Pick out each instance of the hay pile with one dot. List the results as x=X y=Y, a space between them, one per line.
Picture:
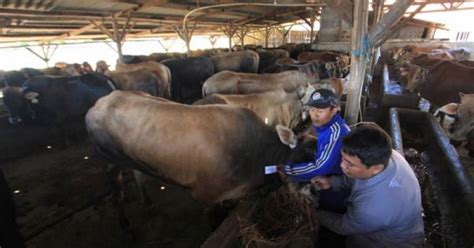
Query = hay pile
x=285 y=218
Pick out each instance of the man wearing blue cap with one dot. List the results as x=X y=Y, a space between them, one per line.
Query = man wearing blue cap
x=331 y=128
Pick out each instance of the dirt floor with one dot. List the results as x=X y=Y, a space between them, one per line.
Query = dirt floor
x=64 y=199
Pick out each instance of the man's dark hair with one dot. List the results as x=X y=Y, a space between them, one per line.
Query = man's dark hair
x=370 y=143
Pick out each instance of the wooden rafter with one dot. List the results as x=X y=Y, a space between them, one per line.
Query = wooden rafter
x=394 y=29
x=342 y=8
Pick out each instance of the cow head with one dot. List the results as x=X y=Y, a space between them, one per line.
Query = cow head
x=303 y=145
x=414 y=76
x=16 y=103
x=463 y=125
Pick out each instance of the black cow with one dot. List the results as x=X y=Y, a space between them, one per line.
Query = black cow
x=56 y=100
x=188 y=76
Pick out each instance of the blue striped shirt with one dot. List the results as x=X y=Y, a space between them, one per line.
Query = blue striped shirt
x=327 y=157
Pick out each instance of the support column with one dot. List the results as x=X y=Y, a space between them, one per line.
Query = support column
x=358 y=61
x=117 y=35
x=229 y=31
x=243 y=31
x=310 y=23
x=47 y=53
x=266 y=32
x=284 y=31
x=186 y=35
x=167 y=45
x=213 y=40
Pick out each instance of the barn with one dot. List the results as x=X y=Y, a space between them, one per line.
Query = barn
x=174 y=128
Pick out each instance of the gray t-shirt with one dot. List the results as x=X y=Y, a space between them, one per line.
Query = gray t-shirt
x=383 y=211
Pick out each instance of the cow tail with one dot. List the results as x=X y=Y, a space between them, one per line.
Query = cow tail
x=167 y=93
x=204 y=90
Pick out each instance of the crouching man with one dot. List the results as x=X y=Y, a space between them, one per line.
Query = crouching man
x=384 y=207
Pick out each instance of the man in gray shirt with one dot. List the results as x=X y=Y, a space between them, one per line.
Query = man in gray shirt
x=384 y=207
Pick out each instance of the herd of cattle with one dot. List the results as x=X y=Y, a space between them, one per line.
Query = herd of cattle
x=443 y=76
x=207 y=123
x=210 y=123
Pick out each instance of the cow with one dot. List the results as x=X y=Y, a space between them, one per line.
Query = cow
x=101 y=67
x=319 y=56
x=161 y=71
x=441 y=83
x=228 y=82
x=221 y=153
x=460 y=53
x=462 y=129
x=276 y=107
x=269 y=57
x=242 y=61
x=55 y=101
x=141 y=80
x=187 y=77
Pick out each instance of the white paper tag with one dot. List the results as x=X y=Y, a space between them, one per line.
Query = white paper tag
x=270 y=169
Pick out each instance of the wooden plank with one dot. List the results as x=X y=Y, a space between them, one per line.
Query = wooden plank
x=227 y=233
x=395 y=13
x=358 y=62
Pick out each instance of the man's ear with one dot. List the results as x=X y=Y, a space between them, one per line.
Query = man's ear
x=376 y=169
x=287 y=136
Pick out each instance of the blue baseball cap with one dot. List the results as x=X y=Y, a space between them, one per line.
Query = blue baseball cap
x=323 y=98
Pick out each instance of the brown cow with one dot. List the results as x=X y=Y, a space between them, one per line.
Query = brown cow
x=161 y=71
x=462 y=128
x=142 y=80
x=273 y=107
x=319 y=56
x=101 y=67
x=228 y=82
x=222 y=149
x=442 y=82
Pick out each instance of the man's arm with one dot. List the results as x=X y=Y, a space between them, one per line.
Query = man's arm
x=324 y=160
x=354 y=221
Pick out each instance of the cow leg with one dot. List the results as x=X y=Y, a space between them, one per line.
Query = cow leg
x=138 y=179
x=116 y=176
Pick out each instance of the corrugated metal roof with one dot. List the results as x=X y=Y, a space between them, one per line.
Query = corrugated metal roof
x=53 y=20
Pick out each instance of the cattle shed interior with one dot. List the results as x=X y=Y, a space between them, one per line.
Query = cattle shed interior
x=57 y=185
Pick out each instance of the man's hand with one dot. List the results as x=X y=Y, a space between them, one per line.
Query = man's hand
x=281 y=172
x=321 y=182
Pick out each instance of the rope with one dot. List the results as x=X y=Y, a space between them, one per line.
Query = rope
x=364 y=50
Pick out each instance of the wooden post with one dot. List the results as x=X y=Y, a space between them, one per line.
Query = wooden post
x=310 y=23
x=284 y=31
x=229 y=31
x=213 y=40
x=266 y=34
x=47 y=53
x=377 y=6
x=167 y=45
x=117 y=35
x=358 y=61
x=243 y=31
x=186 y=35
x=117 y=40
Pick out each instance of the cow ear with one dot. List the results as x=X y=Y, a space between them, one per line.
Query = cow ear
x=31 y=96
x=461 y=95
x=287 y=136
x=450 y=108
